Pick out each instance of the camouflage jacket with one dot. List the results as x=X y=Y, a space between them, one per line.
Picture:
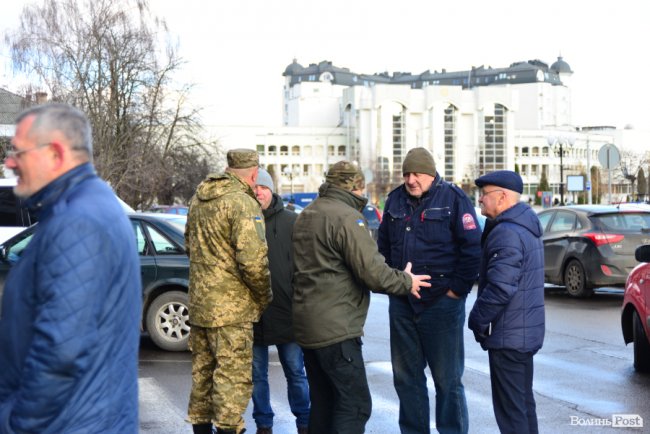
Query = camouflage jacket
x=229 y=273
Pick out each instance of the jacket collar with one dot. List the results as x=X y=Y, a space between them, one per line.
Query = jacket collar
x=347 y=197
x=43 y=200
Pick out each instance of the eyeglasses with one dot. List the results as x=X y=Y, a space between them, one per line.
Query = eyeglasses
x=485 y=193
x=13 y=153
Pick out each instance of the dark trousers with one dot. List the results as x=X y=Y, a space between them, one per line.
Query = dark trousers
x=338 y=388
x=511 y=375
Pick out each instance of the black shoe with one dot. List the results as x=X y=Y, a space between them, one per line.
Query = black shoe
x=202 y=428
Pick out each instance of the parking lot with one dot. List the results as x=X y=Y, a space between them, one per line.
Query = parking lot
x=583 y=375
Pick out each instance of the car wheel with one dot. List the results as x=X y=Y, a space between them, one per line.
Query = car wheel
x=168 y=321
x=575 y=280
x=641 y=346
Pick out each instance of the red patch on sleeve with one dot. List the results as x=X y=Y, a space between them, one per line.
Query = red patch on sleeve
x=468 y=222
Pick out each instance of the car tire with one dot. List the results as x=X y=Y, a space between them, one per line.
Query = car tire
x=167 y=321
x=641 y=345
x=575 y=280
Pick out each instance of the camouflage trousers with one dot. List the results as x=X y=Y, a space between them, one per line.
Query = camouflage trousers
x=222 y=378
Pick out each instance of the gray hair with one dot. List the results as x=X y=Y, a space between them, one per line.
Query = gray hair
x=68 y=120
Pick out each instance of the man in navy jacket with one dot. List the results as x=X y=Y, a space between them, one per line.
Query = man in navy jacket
x=69 y=326
x=508 y=316
x=432 y=224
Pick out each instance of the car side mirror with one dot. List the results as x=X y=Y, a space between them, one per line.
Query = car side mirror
x=642 y=253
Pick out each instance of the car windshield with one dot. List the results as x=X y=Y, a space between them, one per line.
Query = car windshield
x=625 y=221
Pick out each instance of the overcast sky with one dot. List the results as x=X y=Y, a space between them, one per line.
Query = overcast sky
x=237 y=50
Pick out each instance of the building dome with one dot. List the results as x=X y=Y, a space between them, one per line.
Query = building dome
x=560 y=66
x=293 y=68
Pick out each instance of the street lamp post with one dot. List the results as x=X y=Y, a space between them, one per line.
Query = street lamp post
x=289 y=171
x=561 y=143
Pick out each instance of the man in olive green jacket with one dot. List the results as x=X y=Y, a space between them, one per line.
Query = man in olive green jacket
x=336 y=265
x=229 y=290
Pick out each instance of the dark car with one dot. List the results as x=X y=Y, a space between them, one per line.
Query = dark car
x=590 y=246
x=165 y=275
x=635 y=316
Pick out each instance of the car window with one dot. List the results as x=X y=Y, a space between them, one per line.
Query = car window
x=161 y=244
x=139 y=238
x=544 y=219
x=625 y=221
x=563 y=222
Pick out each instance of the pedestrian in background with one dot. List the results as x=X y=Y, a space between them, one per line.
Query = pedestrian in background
x=432 y=224
x=336 y=266
x=71 y=308
x=276 y=326
x=508 y=316
x=229 y=290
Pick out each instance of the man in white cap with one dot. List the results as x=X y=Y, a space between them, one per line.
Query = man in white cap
x=276 y=326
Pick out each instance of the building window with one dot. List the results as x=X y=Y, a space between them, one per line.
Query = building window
x=398 y=147
x=273 y=150
x=295 y=150
x=284 y=150
x=331 y=150
x=451 y=113
x=260 y=150
x=492 y=155
x=342 y=151
x=307 y=150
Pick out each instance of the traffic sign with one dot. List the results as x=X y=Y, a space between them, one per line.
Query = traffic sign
x=609 y=156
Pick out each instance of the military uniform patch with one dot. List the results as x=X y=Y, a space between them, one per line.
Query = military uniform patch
x=468 y=222
x=259 y=227
x=360 y=223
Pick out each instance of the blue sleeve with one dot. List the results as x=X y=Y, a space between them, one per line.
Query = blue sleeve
x=467 y=233
x=505 y=261
x=72 y=276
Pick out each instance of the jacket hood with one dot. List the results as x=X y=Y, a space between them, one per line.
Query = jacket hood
x=219 y=184
x=522 y=215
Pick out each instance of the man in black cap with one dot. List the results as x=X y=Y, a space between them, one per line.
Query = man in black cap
x=229 y=290
x=336 y=265
x=432 y=224
x=508 y=316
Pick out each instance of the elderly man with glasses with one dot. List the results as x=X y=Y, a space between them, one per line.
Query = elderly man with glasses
x=508 y=316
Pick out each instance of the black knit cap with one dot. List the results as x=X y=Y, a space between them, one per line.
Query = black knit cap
x=419 y=160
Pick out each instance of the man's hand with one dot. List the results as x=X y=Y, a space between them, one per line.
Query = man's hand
x=452 y=294
x=418 y=280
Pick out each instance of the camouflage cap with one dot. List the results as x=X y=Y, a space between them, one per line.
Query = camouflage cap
x=346 y=175
x=243 y=158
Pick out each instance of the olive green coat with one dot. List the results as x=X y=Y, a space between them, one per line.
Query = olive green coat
x=336 y=265
x=229 y=273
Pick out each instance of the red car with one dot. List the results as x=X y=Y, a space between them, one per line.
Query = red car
x=635 y=318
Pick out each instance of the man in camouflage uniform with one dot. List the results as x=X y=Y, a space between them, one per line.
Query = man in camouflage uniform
x=229 y=289
x=336 y=265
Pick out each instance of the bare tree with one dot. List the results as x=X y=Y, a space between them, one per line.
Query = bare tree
x=106 y=58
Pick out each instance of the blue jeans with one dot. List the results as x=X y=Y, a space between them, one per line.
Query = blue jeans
x=433 y=337
x=293 y=366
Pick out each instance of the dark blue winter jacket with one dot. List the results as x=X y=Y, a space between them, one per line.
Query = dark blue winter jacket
x=509 y=308
x=438 y=233
x=69 y=330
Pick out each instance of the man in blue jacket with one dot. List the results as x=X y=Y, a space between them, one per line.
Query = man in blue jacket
x=508 y=316
x=69 y=326
x=432 y=224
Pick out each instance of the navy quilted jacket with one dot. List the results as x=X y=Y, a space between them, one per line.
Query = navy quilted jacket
x=509 y=308
x=69 y=330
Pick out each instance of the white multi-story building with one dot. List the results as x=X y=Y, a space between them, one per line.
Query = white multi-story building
x=473 y=122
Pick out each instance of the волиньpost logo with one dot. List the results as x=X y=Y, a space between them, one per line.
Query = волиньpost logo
x=616 y=421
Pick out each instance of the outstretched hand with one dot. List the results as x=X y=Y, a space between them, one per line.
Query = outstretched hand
x=418 y=280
